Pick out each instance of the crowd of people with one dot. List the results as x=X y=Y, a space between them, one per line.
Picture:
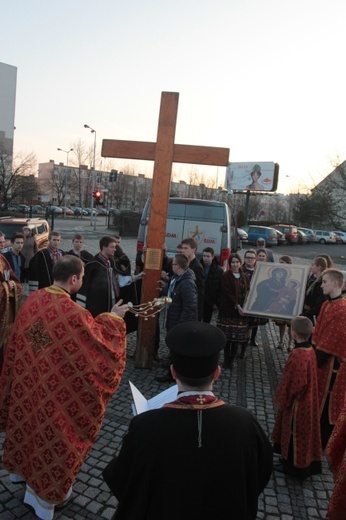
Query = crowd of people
x=65 y=355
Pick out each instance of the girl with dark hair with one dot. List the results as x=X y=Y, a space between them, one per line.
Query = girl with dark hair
x=234 y=287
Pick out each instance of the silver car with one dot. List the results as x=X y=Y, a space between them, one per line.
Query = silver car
x=325 y=237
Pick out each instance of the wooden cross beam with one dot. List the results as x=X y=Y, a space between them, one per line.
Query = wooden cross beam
x=164 y=152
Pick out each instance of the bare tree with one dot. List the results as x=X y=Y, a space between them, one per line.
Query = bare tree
x=254 y=207
x=328 y=197
x=11 y=170
x=27 y=189
x=56 y=184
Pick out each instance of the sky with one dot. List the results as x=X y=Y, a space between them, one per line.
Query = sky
x=264 y=78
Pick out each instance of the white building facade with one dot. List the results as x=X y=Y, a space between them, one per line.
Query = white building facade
x=8 y=85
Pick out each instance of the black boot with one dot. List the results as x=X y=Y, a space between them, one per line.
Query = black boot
x=242 y=351
x=234 y=350
x=226 y=356
x=253 y=341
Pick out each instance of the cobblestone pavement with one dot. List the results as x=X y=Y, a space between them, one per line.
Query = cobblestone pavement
x=251 y=383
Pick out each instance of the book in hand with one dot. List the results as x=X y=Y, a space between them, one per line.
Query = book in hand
x=141 y=404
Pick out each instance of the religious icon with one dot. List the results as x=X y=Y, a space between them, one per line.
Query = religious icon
x=277 y=290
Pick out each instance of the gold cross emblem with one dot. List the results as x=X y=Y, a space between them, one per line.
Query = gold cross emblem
x=201 y=399
x=38 y=337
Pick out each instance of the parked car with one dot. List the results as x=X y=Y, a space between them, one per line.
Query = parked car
x=337 y=238
x=88 y=210
x=242 y=235
x=310 y=234
x=69 y=211
x=54 y=209
x=256 y=232
x=281 y=238
x=23 y=208
x=290 y=232
x=13 y=207
x=15 y=225
x=342 y=235
x=302 y=238
x=325 y=237
x=79 y=211
x=102 y=211
x=38 y=210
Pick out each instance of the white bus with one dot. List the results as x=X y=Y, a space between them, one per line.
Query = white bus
x=207 y=221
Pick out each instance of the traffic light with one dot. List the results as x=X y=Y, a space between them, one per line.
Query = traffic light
x=97 y=196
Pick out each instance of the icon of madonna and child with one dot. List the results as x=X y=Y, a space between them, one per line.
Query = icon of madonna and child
x=277 y=291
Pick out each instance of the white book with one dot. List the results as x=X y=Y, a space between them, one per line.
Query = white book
x=141 y=404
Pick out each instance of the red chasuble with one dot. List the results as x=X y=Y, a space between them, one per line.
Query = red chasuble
x=298 y=412
x=336 y=456
x=330 y=337
x=61 y=368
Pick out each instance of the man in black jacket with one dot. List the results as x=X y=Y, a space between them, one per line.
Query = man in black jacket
x=102 y=282
x=212 y=274
x=77 y=249
x=196 y=458
x=189 y=248
x=41 y=265
x=15 y=257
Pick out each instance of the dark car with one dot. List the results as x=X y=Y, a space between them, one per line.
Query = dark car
x=54 y=209
x=256 y=232
x=38 y=210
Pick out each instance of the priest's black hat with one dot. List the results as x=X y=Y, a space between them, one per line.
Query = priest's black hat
x=195 y=348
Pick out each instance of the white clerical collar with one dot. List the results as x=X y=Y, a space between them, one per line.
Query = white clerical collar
x=201 y=392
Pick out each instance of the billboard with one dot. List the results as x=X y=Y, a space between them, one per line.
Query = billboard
x=252 y=176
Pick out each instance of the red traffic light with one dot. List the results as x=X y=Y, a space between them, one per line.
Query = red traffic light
x=97 y=195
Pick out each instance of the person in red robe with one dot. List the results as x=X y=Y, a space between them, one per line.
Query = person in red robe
x=60 y=370
x=10 y=295
x=336 y=457
x=330 y=340
x=296 y=433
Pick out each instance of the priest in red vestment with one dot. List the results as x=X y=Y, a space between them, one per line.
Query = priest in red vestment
x=330 y=340
x=196 y=457
x=60 y=370
x=296 y=434
x=336 y=456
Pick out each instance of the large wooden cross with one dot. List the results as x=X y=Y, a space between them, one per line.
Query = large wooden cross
x=164 y=152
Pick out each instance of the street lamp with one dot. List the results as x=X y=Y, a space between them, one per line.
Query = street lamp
x=93 y=131
x=67 y=152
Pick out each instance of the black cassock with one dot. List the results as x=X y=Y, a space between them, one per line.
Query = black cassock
x=161 y=473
